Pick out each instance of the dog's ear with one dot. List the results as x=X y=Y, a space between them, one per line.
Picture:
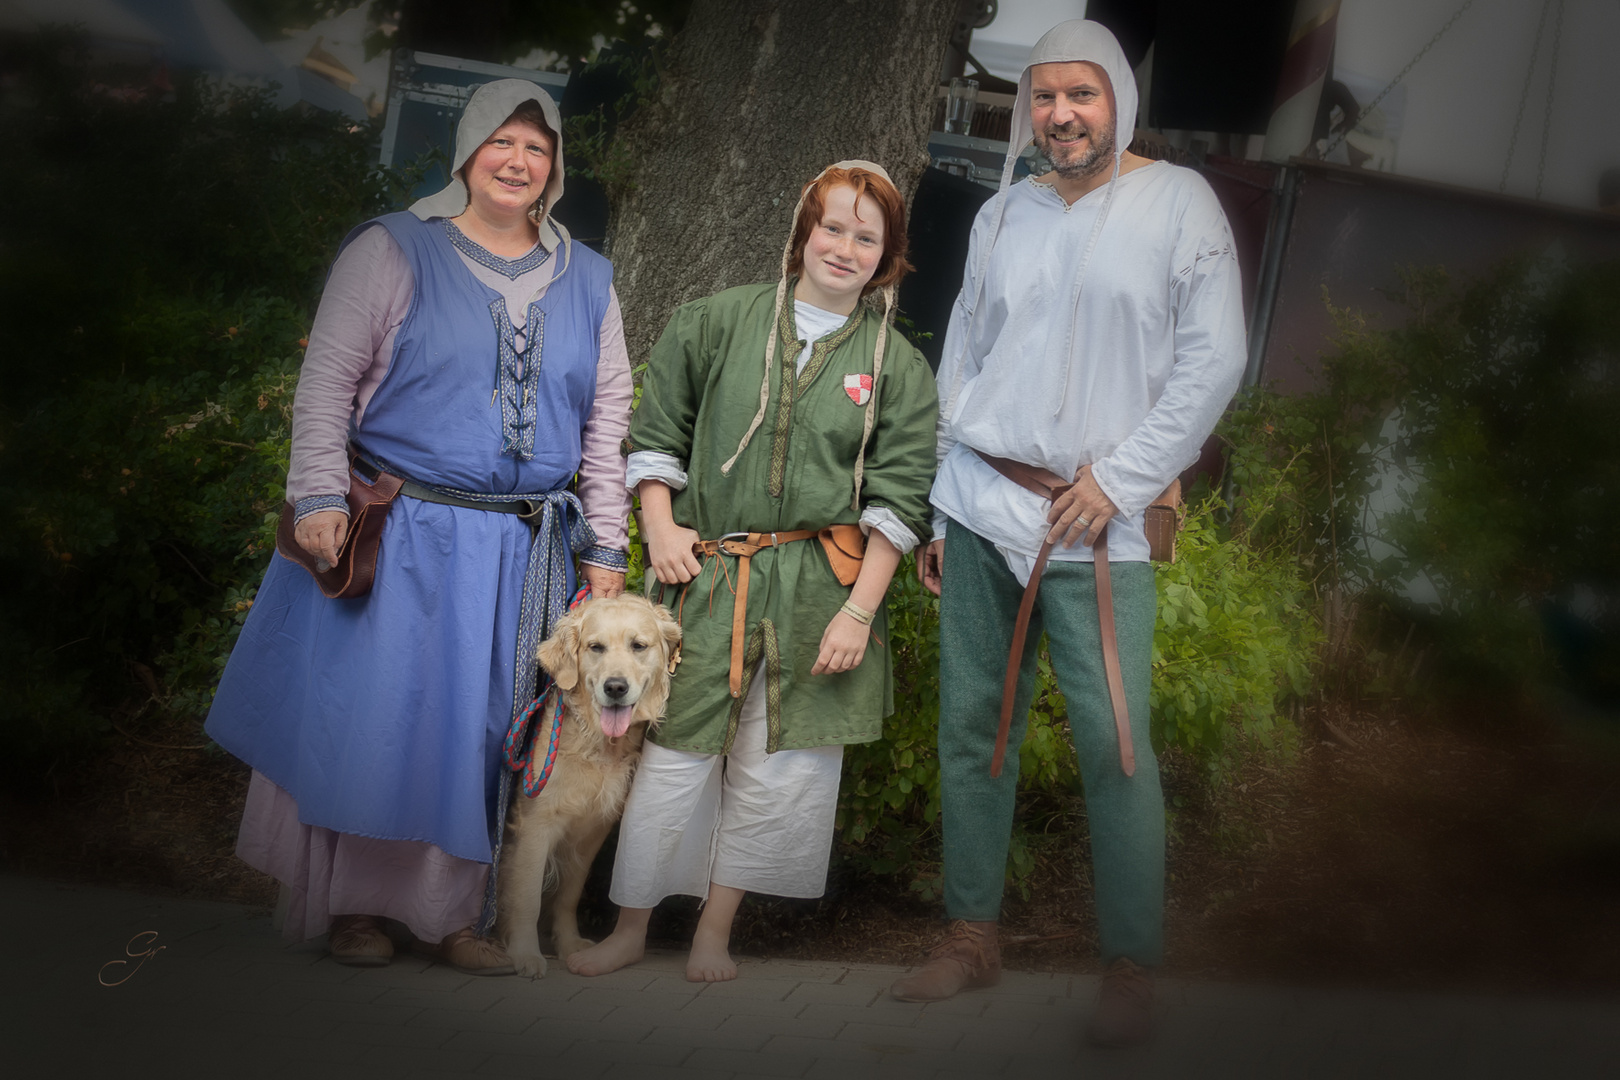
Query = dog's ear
x=671 y=631
x=559 y=653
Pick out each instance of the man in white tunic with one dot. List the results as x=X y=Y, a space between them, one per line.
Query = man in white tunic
x=1099 y=335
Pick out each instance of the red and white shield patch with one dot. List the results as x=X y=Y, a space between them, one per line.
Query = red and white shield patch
x=859 y=388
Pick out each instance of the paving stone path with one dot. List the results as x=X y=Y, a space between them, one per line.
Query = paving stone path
x=221 y=996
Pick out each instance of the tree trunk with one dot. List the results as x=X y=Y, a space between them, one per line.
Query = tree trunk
x=755 y=98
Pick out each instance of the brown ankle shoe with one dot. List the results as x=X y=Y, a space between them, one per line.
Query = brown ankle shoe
x=1124 y=1014
x=969 y=957
x=357 y=940
x=469 y=954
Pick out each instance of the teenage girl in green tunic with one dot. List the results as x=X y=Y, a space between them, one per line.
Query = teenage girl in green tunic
x=738 y=786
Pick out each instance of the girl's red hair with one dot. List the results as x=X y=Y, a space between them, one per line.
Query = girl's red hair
x=893 y=266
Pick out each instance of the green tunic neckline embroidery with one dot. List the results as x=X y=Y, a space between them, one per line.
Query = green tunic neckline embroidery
x=795 y=383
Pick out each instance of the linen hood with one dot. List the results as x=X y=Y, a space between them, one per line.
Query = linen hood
x=1076 y=40
x=486 y=111
x=889 y=294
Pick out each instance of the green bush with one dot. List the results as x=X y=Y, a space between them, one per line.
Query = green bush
x=1238 y=635
x=1472 y=458
x=143 y=438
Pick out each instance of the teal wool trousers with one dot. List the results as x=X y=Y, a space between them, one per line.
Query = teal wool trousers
x=978 y=606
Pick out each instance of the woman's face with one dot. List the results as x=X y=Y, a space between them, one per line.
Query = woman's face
x=843 y=251
x=508 y=173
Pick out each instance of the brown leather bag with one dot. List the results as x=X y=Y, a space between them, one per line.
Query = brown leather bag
x=845 y=546
x=1162 y=522
x=357 y=560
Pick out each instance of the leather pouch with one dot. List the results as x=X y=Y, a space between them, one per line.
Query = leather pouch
x=845 y=546
x=1162 y=521
x=357 y=561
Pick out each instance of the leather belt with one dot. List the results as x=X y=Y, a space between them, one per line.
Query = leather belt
x=1049 y=485
x=744 y=545
x=527 y=509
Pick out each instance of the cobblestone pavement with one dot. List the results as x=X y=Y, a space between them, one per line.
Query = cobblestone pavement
x=221 y=996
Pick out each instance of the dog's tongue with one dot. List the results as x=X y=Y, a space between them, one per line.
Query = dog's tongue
x=616 y=720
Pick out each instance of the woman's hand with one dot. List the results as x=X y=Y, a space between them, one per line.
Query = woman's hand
x=843 y=644
x=322 y=533
x=603 y=582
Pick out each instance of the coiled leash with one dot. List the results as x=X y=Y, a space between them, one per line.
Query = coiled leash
x=518 y=749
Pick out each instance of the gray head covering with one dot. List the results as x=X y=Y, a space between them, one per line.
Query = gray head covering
x=486 y=111
x=1077 y=40
x=889 y=293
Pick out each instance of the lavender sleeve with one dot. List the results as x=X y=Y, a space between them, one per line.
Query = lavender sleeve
x=367 y=297
x=601 y=469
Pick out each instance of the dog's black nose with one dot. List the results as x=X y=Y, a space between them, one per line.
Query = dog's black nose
x=616 y=687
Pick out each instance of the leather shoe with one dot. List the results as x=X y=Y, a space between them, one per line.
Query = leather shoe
x=469 y=954
x=357 y=940
x=1124 y=1013
x=969 y=957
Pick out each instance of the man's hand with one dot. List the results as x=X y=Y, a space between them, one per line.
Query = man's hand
x=603 y=582
x=321 y=534
x=931 y=566
x=843 y=644
x=1080 y=512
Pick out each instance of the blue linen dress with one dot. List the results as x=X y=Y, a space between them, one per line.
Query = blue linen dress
x=383 y=715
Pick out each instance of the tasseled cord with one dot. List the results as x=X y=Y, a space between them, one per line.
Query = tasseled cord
x=770 y=346
x=871 y=402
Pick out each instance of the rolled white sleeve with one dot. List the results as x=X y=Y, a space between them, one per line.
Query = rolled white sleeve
x=653 y=465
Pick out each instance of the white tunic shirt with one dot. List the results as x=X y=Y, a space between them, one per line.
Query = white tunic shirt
x=1122 y=360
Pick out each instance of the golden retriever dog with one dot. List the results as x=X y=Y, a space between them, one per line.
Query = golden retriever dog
x=611 y=660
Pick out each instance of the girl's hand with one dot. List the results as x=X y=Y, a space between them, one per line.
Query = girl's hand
x=669 y=550
x=843 y=644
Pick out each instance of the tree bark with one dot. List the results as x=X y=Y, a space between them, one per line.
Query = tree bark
x=755 y=98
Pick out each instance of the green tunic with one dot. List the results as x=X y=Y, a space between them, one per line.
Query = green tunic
x=699 y=394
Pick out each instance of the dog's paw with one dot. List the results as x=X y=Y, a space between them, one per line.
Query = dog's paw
x=531 y=964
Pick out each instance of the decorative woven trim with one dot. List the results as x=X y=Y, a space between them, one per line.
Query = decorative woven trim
x=794 y=385
x=314 y=504
x=607 y=558
x=751 y=655
x=773 y=686
x=517 y=375
x=821 y=350
x=511 y=269
x=787 y=331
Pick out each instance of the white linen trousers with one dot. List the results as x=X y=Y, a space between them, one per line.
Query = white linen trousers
x=749 y=820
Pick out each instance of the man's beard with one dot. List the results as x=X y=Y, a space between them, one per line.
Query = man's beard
x=1085 y=165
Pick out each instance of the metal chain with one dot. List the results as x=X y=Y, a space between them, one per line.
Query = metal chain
x=1438 y=34
x=1552 y=85
x=1524 y=95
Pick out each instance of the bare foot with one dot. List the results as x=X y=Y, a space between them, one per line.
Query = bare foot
x=570 y=944
x=710 y=960
x=617 y=950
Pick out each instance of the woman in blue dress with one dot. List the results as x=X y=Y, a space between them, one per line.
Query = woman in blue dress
x=471 y=347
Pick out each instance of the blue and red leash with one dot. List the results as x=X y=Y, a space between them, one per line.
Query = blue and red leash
x=518 y=749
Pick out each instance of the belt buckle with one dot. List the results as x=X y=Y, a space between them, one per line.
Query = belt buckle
x=732 y=537
x=531 y=510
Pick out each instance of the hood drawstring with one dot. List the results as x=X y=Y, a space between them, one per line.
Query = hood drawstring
x=871 y=402
x=775 y=332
